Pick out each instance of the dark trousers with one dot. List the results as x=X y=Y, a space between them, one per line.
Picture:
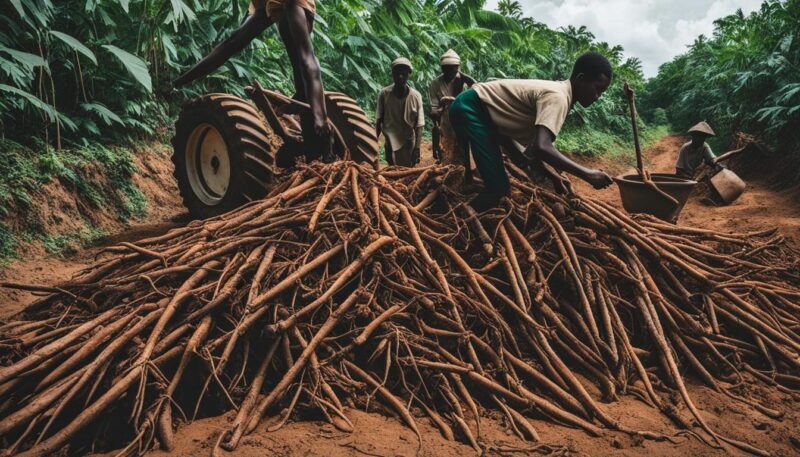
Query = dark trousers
x=475 y=129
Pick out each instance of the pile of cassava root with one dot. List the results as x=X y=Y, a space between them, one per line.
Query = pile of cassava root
x=351 y=288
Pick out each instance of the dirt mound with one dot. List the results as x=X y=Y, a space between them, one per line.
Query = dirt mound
x=90 y=207
x=95 y=199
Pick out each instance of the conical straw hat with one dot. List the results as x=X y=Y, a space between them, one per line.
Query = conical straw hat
x=703 y=127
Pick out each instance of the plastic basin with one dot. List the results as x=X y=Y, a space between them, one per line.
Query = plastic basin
x=637 y=197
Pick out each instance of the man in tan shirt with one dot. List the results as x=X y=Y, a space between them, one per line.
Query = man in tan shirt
x=529 y=112
x=449 y=84
x=295 y=20
x=400 y=118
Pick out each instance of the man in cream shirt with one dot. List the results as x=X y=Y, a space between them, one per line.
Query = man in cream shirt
x=399 y=117
x=530 y=112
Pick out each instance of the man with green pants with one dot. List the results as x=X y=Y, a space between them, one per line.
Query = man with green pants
x=530 y=112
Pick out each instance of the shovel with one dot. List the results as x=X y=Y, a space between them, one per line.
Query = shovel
x=643 y=174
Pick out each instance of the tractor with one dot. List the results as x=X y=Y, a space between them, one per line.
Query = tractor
x=225 y=148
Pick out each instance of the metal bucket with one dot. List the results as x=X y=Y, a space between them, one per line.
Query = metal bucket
x=638 y=198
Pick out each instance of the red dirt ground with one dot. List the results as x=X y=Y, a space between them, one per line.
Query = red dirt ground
x=378 y=435
x=759 y=207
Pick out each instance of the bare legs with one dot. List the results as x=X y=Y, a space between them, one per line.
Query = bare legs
x=295 y=28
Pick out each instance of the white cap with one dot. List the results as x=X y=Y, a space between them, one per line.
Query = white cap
x=450 y=58
x=402 y=61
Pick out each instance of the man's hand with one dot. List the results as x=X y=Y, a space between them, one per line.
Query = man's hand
x=466 y=79
x=542 y=148
x=435 y=115
x=598 y=179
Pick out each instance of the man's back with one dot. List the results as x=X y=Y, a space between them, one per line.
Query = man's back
x=517 y=105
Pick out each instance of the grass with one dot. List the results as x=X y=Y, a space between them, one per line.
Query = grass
x=70 y=243
x=595 y=143
x=133 y=204
x=8 y=245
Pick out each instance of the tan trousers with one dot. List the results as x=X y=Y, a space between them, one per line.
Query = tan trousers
x=275 y=7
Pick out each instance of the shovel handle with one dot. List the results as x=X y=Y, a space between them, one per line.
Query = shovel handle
x=631 y=96
x=639 y=163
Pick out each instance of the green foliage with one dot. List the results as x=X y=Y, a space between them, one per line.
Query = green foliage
x=91 y=192
x=600 y=143
x=70 y=243
x=133 y=202
x=8 y=244
x=746 y=77
x=75 y=45
x=101 y=69
x=76 y=70
x=660 y=116
x=19 y=174
x=136 y=66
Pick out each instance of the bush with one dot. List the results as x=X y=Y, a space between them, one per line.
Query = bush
x=660 y=117
x=8 y=244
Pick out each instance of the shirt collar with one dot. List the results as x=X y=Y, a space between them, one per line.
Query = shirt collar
x=568 y=91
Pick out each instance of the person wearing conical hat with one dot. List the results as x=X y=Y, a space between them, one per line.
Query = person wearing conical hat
x=449 y=84
x=695 y=152
x=399 y=116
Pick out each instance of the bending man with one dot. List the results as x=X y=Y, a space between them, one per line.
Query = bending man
x=530 y=112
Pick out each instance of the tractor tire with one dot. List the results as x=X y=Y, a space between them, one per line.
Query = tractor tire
x=354 y=128
x=222 y=154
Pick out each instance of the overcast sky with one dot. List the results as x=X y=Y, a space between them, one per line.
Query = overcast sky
x=655 y=31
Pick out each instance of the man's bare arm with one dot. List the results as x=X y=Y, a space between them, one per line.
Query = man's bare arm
x=543 y=149
x=520 y=159
x=378 y=127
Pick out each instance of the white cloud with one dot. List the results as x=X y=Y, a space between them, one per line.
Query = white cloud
x=654 y=31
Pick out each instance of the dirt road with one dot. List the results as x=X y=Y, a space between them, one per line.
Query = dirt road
x=379 y=435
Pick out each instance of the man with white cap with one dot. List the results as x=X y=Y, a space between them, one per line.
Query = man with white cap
x=449 y=84
x=695 y=152
x=399 y=117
